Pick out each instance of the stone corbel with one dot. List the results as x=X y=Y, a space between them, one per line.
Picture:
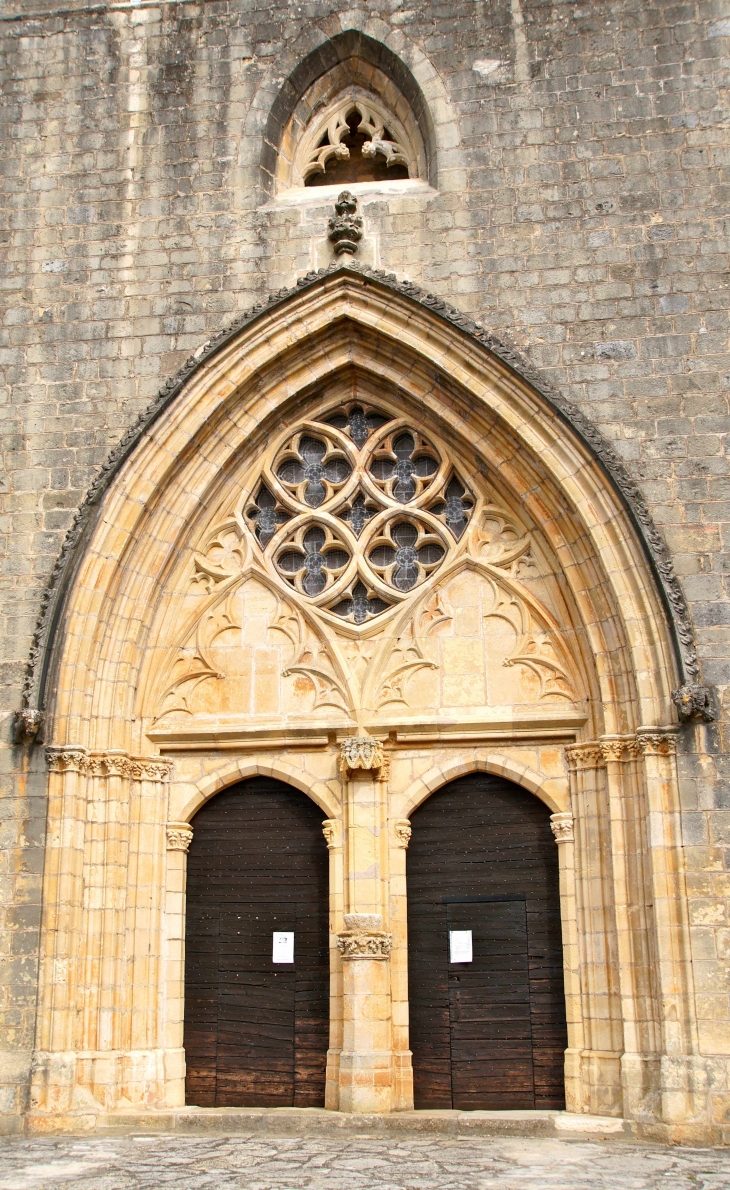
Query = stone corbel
x=562 y=827
x=694 y=703
x=402 y=832
x=365 y=754
x=179 y=836
x=26 y=726
x=363 y=937
x=332 y=831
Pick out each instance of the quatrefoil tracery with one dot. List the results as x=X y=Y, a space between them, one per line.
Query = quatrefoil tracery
x=389 y=509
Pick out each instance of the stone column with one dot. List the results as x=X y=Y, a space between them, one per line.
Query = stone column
x=593 y=1059
x=100 y=1040
x=402 y=1056
x=179 y=836
x=561 y=825
x=630 y=857
x=366 y=1060
x=332 y=830
x=366 y=1065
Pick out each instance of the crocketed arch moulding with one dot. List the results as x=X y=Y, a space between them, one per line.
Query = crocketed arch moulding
x=458 y=401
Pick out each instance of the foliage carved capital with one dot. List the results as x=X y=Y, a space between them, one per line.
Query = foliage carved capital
x=107 y=764
x=562 y=827
x=179 y=836
x=364 y=937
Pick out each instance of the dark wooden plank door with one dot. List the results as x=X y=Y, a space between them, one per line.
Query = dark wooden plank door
x=492 y=1063
x=256 y=1032
x=490 y=1034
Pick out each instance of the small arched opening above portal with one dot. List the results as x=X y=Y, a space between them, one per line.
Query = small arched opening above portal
x=352 y=124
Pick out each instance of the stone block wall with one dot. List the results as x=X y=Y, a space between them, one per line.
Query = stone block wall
x=581 y=211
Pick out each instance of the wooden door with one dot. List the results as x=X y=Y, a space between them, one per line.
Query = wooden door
x=490 y=1033
x=256 y=1032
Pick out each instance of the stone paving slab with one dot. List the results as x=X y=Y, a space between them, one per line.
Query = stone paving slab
x=174 y=1162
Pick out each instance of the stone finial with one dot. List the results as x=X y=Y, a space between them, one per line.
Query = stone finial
x=26 y=725
x=179 y=836
x=345 y=228
x=562 y=827
x=693 y=702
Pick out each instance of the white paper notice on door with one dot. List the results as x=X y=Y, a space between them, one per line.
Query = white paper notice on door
x=283 y=949
x=460 y=950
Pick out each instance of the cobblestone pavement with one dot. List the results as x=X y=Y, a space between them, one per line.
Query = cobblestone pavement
x=296 y=1163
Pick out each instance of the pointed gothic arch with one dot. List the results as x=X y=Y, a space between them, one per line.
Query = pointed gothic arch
x=149 y=570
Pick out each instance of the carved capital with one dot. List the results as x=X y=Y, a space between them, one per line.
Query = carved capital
x=364 y=937
x=619 y=748
x=402 y=832
x=179 y=836
x=657 y=743
x=584 y=756
x=107 y=764
x=67 y=760
x=362 y=752
x=332 y=831
x=562 y=827
x=693 y=702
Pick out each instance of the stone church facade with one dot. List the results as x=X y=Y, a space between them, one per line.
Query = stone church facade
x=365 y=380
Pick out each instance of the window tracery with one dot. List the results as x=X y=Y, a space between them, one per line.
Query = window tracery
x=351 y=135
x=356 y=509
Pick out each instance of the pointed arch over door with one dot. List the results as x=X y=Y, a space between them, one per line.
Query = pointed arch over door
x=535 y=624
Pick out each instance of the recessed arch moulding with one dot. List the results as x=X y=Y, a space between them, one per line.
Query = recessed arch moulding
x=514 y=626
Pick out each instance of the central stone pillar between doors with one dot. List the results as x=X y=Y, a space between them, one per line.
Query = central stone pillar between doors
x=366 y=1059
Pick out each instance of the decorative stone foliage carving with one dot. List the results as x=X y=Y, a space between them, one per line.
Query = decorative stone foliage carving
x=657 y=743
x=345 y=226
x=361 y=752
x=364 y=937
x=107 y=764
x=562 y=827
x=597 y=754
x=179 y=836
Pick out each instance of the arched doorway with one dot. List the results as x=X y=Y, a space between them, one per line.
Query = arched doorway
x=487 y=1009
x=256 y=1000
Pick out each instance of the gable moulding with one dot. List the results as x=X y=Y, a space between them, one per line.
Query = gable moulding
x=692 y=699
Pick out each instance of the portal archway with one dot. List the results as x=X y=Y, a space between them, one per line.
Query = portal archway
x=185 y=645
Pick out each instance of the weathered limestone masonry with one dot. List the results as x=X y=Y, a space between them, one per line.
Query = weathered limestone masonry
x=574 y=200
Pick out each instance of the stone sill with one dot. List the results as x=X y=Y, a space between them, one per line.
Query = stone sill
x=319 y=1122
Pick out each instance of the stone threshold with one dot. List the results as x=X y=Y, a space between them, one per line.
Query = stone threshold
x=319 y=1122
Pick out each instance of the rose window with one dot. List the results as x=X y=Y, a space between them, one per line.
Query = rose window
x=390 y=509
